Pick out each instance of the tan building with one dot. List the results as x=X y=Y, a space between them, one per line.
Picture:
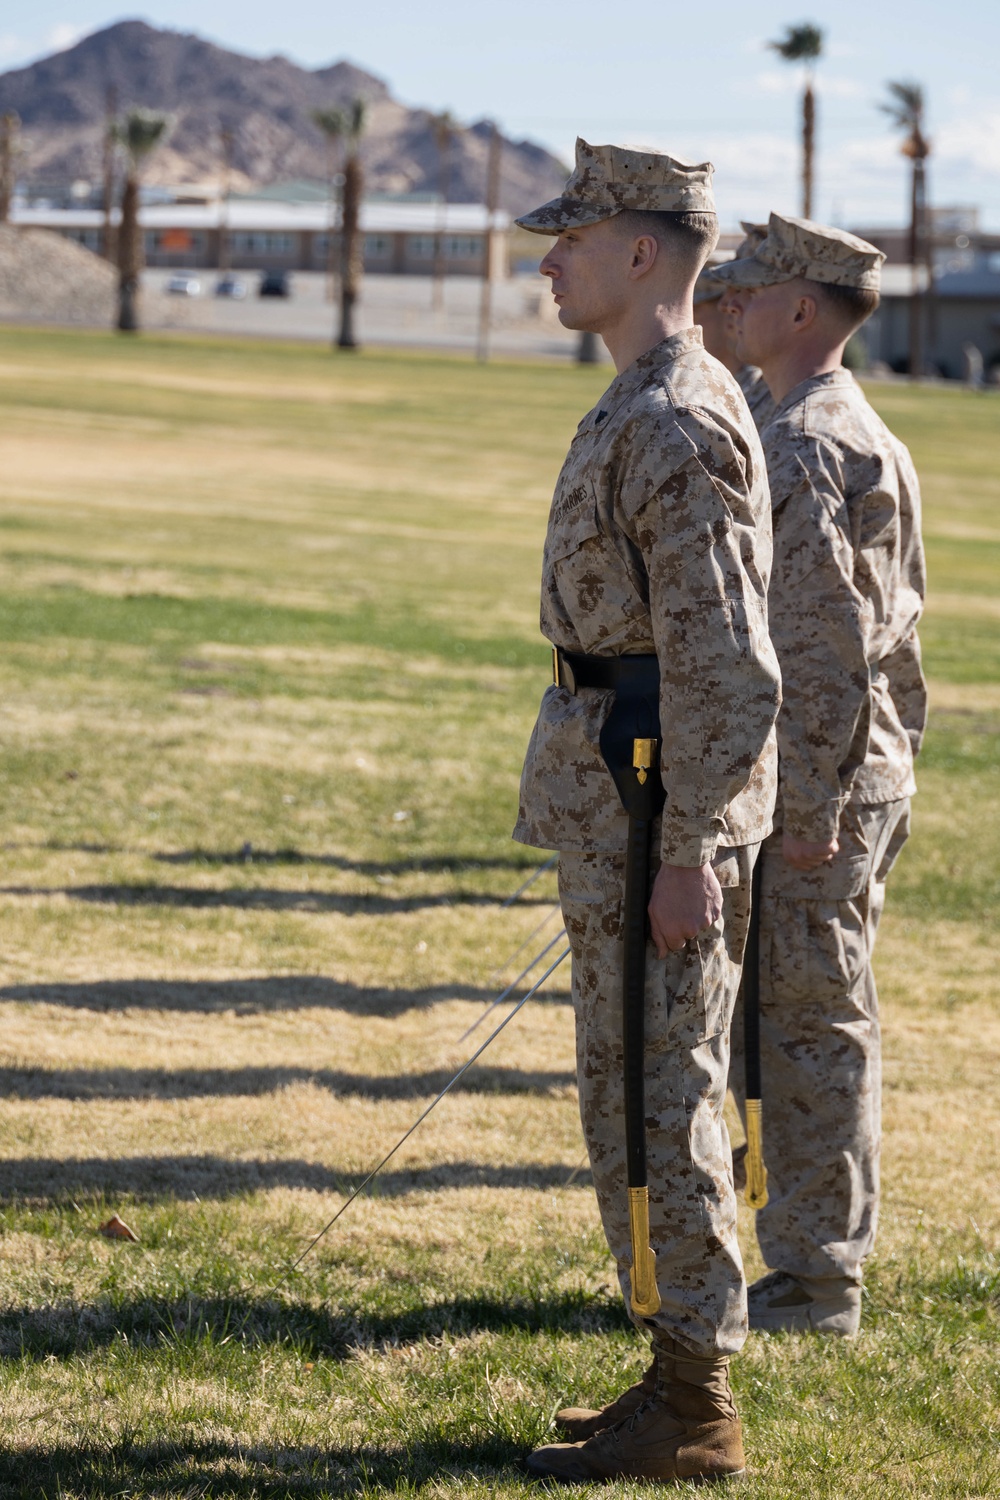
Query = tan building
x=400 y=237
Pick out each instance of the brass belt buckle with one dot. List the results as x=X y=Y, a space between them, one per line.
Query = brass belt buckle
x=562 y=672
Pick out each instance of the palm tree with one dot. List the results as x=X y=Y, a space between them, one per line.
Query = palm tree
x=804 y=44
x=333 y=124
x=138 y=134
x=905 y=107
x=350 y=241
x=9 y=125
x=445 y=128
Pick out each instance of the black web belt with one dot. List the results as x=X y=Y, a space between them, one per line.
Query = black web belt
x=628 y=676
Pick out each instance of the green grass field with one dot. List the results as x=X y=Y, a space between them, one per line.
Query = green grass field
x=269 y=661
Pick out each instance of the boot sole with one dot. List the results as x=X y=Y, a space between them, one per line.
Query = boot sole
x=697 y=1480
x=803 y=1324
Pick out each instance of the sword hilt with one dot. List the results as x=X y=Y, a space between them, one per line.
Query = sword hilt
x=756 y=1188
x=645 y=1294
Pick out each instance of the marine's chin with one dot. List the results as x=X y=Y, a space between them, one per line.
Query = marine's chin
x=575 y=321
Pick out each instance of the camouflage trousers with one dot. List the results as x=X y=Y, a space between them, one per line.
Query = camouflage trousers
x=689 y=1004
x=821 y=1065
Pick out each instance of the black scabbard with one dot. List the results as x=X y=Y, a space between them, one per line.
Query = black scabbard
x=630 y=747
x=756 y=1188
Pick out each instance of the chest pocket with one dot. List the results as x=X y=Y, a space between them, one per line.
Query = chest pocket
x=597 y=592
x=577 y=526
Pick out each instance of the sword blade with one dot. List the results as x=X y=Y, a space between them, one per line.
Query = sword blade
x=530 y=881
x=418 y=1122
x=512 y=986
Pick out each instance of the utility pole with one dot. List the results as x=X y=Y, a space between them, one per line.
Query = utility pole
x=444 y=130
x=492 y=194
x=9 y=124
x=109 y=239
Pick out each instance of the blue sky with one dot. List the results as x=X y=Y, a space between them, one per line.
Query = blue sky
x=694 y=79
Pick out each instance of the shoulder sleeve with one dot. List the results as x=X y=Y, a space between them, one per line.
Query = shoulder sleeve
x=820 y=626
x=719 y=681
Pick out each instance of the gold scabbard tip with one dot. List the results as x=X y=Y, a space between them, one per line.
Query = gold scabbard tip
x=645 y=1295
x=643 y=752
x=756 y=1188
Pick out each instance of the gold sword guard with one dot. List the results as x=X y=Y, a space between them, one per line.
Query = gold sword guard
x=756 y=1188
x=645 y=1295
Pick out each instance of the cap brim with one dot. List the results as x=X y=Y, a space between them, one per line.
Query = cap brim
x=565 y=213
x=749 y=272
x=707 y=288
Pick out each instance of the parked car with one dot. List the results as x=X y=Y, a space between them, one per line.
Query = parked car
x=231 y=286
x=183 y=285
x=275 y=284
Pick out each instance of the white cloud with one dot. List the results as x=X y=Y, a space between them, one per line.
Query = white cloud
x=968 y=145
x=792 y=80
x=63 y=35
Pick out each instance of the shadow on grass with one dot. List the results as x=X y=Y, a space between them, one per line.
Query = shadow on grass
x=248 y=997
x=255 y=899
x=186 y=1469
x=156 y=1179
x=446 y=864
x=198 y=1083
x=66 y=1329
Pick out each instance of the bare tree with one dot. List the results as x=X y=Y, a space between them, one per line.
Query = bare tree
x=333 y=123
x=351 y=264
x=905 y=107
x=445 y=130
x=489 y=249
x=138 y=134
x=226 y=139
x=9 y=141
x=804 y=44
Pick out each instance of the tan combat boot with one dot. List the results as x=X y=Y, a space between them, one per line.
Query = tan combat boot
x=780 y=1302
x=576 y=1423
x=687 y=1430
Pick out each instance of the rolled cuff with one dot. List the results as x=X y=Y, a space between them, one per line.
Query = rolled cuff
x=815 y=823
x=688 y=844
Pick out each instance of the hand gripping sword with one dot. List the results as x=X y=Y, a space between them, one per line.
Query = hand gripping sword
x=756 y=1188
x=630 y=749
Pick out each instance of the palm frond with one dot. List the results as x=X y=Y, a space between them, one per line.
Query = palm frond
x=799 y=44
x=332 y=122
x=356 y=118
x=140 y=132
x=905 y=105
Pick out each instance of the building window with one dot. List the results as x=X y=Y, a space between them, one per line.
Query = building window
x=89 y=238
x=261 y=242
x=377 y=246
x=463 y=247
x=421 y=246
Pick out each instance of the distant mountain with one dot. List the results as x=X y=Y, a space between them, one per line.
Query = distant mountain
x=264 y=102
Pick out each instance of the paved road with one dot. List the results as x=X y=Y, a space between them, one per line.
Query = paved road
x=394 y=310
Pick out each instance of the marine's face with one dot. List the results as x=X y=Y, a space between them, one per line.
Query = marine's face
x=588 y=268
x=714 y=328
x=759 y=320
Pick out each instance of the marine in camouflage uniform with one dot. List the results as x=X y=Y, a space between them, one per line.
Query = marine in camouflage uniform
x=708 y=312
x=845 y=597
x=658 y=542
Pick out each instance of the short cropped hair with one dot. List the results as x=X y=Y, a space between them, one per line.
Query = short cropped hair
x=850 y=305
x=691 y=237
